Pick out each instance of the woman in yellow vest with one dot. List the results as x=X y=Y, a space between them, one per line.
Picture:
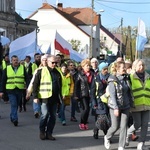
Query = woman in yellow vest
x=119 y=102
x=140 y=84
x=67 y=90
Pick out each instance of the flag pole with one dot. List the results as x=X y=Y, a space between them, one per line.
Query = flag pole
x=139 y=27
x=136 y=52
x=37 y=30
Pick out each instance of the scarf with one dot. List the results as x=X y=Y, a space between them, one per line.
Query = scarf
x=141 y=75
x=89 y=76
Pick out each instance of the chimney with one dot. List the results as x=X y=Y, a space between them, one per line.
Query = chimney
x=60 y=6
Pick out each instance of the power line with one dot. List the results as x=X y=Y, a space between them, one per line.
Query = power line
x=124 y=2
x=109 y=12
x=128 y=11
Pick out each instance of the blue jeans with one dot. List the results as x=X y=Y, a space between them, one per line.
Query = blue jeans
x=62 y=112
x=48 y=116
x=15 y=98
x=36 y=107
x=73 y=106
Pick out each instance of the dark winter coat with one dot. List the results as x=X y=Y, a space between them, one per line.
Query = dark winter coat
x=82 y=87
x=120 y=92
x=97 y=89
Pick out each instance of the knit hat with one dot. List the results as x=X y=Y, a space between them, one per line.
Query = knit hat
x=102 y=66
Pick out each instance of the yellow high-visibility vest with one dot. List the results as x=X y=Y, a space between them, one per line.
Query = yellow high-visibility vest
x=3 y=64
x=15 y=80
x=45 y=88
x=66 y=83
x=141 y=92
x=34 y=67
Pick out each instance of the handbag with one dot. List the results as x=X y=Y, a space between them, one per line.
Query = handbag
x=66 y=101
x=103 y=122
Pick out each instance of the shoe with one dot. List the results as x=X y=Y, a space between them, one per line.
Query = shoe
x=134 y=137
x=120 y=148
x=127 y=141
x=106 y=143
x=140 y=146
x=78 y=110
x=63 y=122
x=50 y=137
x=81 y=126
x=24 y=107
x=86 y=127
x=95 y=135
x=42 y=136
x=73 y=119
x=36 y=115
x=20 y=109
x=15 y=123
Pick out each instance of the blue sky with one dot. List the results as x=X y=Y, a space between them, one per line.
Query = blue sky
x=114 y=10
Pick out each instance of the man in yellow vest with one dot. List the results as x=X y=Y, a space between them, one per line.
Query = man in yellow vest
x=35 y=65
x=47 y=91
x=13 y=82
x=5 y=63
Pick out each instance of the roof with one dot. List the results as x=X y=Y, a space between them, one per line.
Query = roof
x=77 y=16
x=110 y=34
x=18 y=18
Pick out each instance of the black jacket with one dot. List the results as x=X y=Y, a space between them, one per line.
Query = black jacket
x=82 y=87
x=56 y=84
x=97 y=89
x=120 y=92
x=4 y=80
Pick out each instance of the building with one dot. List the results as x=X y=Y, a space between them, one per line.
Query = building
x=71 y=24
x=12 y=25
x=110 y=43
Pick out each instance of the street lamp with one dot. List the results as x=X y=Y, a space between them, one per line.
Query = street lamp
x=91 y=36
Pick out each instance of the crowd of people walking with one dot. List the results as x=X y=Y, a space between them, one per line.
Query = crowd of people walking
x=53 y=83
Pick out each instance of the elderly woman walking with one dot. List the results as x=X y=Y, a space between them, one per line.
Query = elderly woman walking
x=119 y=103
x=100 y=109
x=140 y=84
x=82 y=91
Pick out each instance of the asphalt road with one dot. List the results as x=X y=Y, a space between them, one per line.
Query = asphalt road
x=69 y=137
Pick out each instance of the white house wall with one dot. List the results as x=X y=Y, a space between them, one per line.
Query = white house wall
x=109 y=42
x=96 y=38
x=49 y=21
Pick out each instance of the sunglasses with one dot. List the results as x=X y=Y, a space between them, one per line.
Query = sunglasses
x=53 y=62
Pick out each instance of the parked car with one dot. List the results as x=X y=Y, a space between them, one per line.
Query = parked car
x=111 y=59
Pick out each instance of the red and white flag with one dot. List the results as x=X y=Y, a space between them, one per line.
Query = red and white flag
x=62 y=45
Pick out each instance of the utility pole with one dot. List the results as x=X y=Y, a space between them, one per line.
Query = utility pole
x=121 y=25
x=91 y=36
x=129 y=30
